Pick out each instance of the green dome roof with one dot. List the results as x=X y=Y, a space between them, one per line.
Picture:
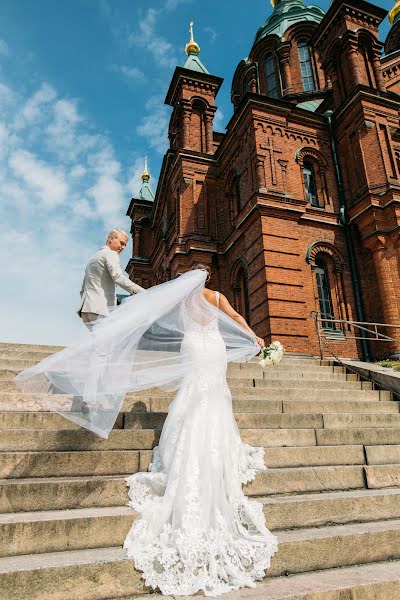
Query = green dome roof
x=287 y=13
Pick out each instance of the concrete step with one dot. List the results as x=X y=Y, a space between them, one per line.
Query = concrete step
x=7 y=359
x=144 y=439
x=339 y=406
x=345 y=420
x=72 y=464
x=377 y=581
x=340 y=545
x=371 y=436
x=107 y=572
x=79 y=529
x=155 y=420
x=13 y=347
x=383 y=476
x=309 y=384
x=115 y=462
x=58 y=493
x=300 y=480
x=56 y=531
x=383 y=455
x=331 y=508
x=134 y=399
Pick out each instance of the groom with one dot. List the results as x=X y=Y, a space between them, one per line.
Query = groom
x=103 y=272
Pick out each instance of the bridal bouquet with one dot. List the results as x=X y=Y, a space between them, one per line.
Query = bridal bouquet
x=271 y=355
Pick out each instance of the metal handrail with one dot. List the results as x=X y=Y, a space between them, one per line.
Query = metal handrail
x=348 y=331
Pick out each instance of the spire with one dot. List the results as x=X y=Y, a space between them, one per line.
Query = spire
x=394 y=14
x=146 y=193
x=192 y=46
x=192 y=49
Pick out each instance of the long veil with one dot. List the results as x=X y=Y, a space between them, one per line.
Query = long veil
x=137 y=347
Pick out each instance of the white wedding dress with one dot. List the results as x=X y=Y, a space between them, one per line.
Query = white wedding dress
x=196 y=529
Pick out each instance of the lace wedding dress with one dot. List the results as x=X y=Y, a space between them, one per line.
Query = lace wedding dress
x=196 y=529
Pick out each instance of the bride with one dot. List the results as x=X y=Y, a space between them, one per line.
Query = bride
x=196 y=530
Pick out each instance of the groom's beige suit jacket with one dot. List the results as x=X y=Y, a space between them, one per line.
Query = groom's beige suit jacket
x=103 y=273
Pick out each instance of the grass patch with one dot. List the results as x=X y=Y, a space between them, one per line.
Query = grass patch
x=391 y=364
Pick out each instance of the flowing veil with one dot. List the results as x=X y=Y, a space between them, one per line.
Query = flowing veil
x=137 y=347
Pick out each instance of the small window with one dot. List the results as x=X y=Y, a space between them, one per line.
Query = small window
x=324 y=296
x=270 y=76
x=310 y=184
x=305 y=66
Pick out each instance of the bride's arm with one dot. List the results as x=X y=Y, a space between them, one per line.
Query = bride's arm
x=226 y=307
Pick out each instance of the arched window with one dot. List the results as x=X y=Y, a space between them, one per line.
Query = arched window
x=306 y=66
x=310 y=183
x=270 y=76
x=241 y=291
x=324 y=295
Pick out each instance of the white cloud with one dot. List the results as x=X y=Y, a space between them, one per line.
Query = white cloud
x=154 y=125
x=48 y=182
x=148 y=38
x=61 y=188
x=3 y=48
x=34 y=108
x=173 y=4
x=132 y=73
x=218 y=123
x=212 y=32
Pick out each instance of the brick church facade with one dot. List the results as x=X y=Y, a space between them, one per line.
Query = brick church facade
x=296 y=207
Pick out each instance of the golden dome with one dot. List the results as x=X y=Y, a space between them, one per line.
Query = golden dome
x=145 y=175
x=192 y=46
x=394 y=12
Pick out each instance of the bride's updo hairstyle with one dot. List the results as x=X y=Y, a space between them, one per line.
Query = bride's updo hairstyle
x=203 y=268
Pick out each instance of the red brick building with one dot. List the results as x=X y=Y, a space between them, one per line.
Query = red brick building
x=297 y=206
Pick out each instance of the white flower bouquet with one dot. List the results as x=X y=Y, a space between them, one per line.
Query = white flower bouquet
x=271 y=355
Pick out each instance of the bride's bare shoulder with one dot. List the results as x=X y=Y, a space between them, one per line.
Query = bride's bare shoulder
x=209 y=295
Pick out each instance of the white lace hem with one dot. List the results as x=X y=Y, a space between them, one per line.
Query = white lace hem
x=234 y=553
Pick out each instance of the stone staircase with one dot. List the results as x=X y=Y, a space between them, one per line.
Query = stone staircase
x=332 y=493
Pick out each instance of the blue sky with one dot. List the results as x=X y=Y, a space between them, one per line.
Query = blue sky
x=82 y=85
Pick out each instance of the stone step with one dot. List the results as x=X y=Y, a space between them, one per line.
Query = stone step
x=155 y=420
x=78 y=529
x=106 y=572
x=13 y=347
x=339 y=406
x=57 y=493
x=139 y=439
x=383 y=476
x=300 y=480
x=56 y=531
x=377 y=581
x=371 y=436
x=60 y=493
x=115 y=462
x=345 y=420
x=134 y=399
x=331 y=508
x=383 y=455
x=72 y=464
x=309 y=384
x=9 y=363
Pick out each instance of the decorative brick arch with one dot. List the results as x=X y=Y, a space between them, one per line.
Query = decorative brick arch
x=305 y=152
x=321 y=247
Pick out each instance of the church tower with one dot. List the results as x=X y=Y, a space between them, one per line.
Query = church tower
x=192 y=95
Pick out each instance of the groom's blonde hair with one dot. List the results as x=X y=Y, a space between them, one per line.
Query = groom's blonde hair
x=117 y=233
